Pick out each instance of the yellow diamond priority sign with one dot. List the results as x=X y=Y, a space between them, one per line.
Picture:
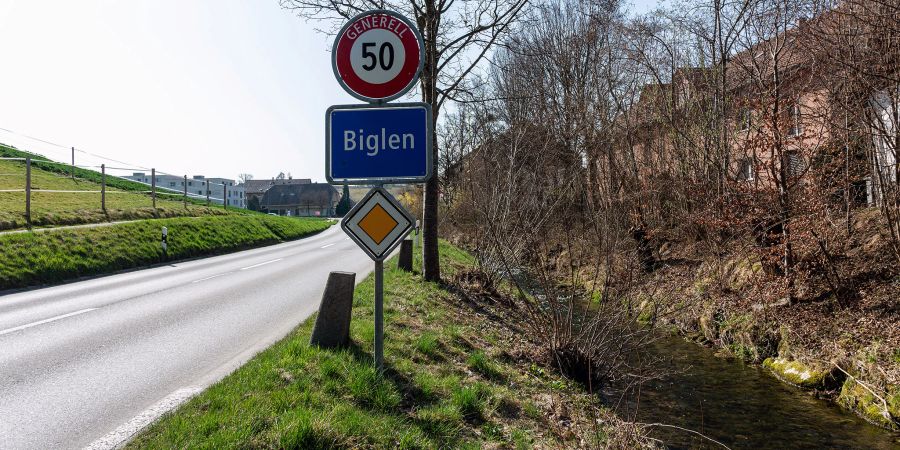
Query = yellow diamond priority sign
x=377 y=223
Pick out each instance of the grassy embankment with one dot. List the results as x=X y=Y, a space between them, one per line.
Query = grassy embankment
x=450 y=382
x=28 y=259
x=849 y=352
x=125 y=200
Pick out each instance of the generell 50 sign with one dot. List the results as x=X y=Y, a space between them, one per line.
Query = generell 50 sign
x=369 y=143
x=377 y=56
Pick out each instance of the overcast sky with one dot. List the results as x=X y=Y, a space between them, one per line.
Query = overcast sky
x=212 y=87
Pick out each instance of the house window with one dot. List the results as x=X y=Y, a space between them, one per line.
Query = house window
x=795 y=163
x=746 y=170
x=171 y=184
x=794 y=120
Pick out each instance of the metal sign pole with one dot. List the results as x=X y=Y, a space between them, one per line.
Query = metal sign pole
x=379 y=316
x=378 y=223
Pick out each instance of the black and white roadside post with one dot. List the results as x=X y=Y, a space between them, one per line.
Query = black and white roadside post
x=417 y=234
x=377 y=57
x=165 y=242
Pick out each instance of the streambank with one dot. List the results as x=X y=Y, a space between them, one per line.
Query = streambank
x=719 y=393
x=854 y=365
x=738 y=404
x=836 y=336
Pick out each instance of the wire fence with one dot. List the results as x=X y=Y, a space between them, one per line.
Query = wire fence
x=80 y=187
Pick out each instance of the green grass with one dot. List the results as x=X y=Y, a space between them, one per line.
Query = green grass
x=482 y=364
x=125 y=200
x=28 y=259
x=294 y=395
x=43 y=163
x=428 y=345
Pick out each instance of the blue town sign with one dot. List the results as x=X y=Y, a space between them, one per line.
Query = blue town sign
x=366 y=144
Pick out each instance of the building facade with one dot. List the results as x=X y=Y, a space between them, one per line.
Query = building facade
x=218 y=190
x=255 y=189
x=307 y=200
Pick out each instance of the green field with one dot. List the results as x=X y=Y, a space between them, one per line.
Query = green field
x=125 y=200
x=449 y=383
x=28 y=259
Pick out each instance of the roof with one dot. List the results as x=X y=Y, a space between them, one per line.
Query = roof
x=312 y=194
x=257 y=186
x=261 y=186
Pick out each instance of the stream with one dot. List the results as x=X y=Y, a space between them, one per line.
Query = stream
x=739 y=405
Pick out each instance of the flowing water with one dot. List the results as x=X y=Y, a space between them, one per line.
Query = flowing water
x=740 y=406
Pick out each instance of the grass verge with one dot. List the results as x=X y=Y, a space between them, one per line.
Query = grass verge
x=449 y=383
x=28 y=259
x=80 y=203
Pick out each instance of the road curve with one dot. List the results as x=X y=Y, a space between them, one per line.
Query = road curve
x=78 y=361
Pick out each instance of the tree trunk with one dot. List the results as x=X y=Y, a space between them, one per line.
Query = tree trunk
x=431 y=264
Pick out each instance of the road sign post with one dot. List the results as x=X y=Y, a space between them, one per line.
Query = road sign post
x=378 y=223
x=377 y=57
x=379 y=315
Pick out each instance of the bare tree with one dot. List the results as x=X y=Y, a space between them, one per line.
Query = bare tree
x=529 y=195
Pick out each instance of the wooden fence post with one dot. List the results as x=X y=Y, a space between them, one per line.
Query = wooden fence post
x=28 y=192
x=153 y=188
x=103 y=187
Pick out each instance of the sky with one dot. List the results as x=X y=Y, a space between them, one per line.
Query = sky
x=190 y=87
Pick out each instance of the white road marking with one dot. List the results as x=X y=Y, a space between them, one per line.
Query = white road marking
x=210 y=278
x=41 y=322
x=329 y=245
x=261 y=264
x=120 y=435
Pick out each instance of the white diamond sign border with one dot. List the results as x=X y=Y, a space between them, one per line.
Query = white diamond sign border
x=378 y=196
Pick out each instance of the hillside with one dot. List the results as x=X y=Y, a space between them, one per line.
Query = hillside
x=57 y=199
x=54 y=256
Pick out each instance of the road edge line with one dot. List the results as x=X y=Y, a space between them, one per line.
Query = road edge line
x=117 y=438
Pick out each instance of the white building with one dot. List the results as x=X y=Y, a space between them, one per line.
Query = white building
x=199 y=187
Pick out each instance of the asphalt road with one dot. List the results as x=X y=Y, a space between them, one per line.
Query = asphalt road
x=88 y=363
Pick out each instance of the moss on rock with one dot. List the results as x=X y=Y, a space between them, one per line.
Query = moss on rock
x=860 y=400
x=797 y=373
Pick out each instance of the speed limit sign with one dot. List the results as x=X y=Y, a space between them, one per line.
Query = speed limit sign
x=377 y=56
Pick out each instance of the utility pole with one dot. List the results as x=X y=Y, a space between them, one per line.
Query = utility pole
x=225 y=194
x=103 y=187
x=185 y=191
x=28 y=192
x=73 y=163
x=207 y=193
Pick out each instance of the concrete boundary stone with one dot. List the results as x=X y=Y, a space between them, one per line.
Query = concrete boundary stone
x=332 y=329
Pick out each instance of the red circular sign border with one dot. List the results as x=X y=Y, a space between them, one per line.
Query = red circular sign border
x=378 y=93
